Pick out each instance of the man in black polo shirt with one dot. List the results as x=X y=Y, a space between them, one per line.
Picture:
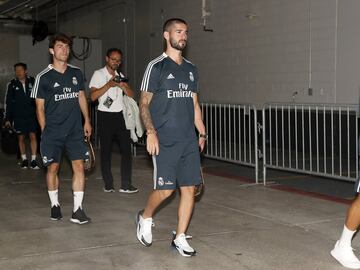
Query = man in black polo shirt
x=60 y=101
x=20 y=113
x=170 y=111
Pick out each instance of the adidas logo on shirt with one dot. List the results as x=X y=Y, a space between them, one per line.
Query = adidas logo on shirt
x=170 y=77
x=56 y=84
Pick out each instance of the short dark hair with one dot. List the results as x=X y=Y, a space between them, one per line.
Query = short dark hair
x=59 y=37
x=20 y=64
x=170 y=22
x=111 y=50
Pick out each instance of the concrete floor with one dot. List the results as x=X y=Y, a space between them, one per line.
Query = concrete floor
x=235 y=225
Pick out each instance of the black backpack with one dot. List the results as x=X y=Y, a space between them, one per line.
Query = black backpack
x=9 y=144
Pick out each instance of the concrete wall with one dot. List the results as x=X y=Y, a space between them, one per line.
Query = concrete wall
x=260 y=50
x=8 y=57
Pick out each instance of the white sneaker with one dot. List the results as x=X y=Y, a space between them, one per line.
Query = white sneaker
x=183 y=246
x=143 y=229
x=345 y=256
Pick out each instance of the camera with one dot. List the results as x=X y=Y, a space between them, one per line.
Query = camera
x=119 y=79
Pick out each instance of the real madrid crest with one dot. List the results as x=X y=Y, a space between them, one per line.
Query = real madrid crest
x=191 y=76
x=161 y=181
x=74 y=81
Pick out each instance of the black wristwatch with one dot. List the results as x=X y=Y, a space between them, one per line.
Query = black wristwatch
x=204 y=136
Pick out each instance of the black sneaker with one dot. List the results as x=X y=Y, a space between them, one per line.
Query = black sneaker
x=79 y=217
x=24 y=164
x=56 y=213
x=34 y=165
x=129 y=190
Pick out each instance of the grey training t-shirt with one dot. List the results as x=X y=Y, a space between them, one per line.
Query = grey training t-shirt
x=172 y=106
x=61 y=95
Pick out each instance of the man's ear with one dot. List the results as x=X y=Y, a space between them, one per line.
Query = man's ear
x=51 y=51
x=166 y=35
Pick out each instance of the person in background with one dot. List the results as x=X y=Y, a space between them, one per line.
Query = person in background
x=108 y=87
x=20 y=113
x=60 y=102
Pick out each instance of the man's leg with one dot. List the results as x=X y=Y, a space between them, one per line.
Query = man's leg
x=184 y=215
x=78 y=186
x=188 y=178
x=21 y=142
x=33 y=146
x=144 y=217
x=106 y=131
x=343 y=251
x=186 y=207
x=155 y=199
x=52 y=181
x=123 y=138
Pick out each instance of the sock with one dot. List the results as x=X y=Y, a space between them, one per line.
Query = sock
x=53 y=195
x=78 y=198
x=23 y=156
x=346 y=237
x=33 y=157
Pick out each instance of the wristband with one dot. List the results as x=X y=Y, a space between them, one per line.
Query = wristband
x=204 y=136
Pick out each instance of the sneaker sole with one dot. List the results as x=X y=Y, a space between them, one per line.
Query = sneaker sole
x=128 y=192
x=56 y=219
x=175 y=248
x=109 y=190
x=35 y=168
x=138 y=236
x=345 y=265
x=76 y=221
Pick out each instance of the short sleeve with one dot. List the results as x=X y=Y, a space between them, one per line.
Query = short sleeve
x=80 y=78
x=39 y=89
x=196 y=81
x=98 y=80
x=151 y=79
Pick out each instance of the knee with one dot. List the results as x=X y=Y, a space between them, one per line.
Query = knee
x=165 y=193
x=32 y=136
x=53 y=168
x=187 y=191
x=78 y=167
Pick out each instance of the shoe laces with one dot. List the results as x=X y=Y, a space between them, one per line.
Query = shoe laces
x=147 y=224
x=181 y=240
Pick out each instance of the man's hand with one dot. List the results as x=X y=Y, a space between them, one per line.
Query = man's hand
x=112 y=83
x=87 y=129
x=7 y=124
x=152 y=144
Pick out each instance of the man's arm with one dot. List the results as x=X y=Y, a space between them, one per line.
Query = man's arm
x=127 y=89
x=199 y=124
x=40 y=112
x=152 y=142
x=8 y=105
x=95 y=93
x=85 y=112
x=98 y=92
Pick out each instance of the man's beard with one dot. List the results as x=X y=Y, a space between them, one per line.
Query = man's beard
x=176 y=45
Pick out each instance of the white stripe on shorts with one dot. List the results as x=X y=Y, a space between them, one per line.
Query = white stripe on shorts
x=155 y=170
